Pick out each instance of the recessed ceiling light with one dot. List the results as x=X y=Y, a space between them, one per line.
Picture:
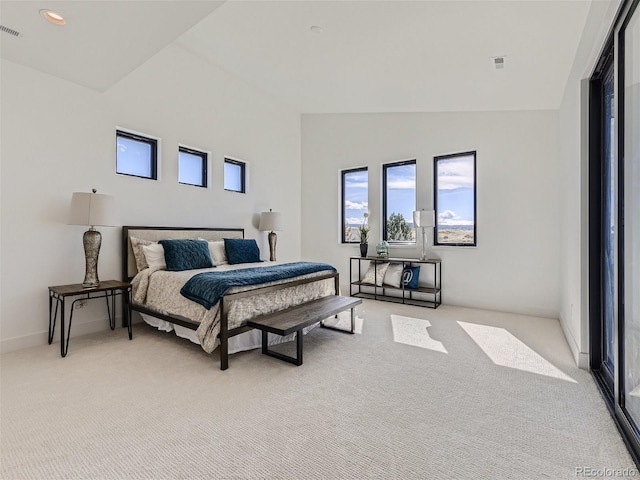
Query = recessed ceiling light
x=53 y=17
x=316 y=29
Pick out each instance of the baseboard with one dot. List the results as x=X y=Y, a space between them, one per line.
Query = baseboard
x=41 y=338
x=581 y=358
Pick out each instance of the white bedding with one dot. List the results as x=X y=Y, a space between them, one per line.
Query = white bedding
x=238 y=343
x=160 y=290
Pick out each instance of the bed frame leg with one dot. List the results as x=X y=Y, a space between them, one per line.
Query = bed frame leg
x=224 y=337
x=224 y=355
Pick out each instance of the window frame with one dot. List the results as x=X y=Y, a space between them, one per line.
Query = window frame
x=243 y=174
x=342 y=200
x=204 y=156
x=475 y=198
x=138 y=137
x=385 y=167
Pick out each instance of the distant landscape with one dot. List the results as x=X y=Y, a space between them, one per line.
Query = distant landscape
x=456 y=234
x=446 y=233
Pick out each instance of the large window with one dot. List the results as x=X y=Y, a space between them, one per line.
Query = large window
x=399 y=201
x=192 y=167
x=455 y=199
x=614 y=224
x=136 y=155
x=235 y=176
x=355 y=202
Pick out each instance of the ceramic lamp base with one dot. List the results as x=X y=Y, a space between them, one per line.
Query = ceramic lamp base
x=92 y=239
x=273 y=238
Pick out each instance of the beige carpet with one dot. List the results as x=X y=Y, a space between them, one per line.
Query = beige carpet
x=450 y=393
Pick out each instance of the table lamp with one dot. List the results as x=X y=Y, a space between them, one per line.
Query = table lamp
x=270 y=221
x=424 y=219
x=92 y=209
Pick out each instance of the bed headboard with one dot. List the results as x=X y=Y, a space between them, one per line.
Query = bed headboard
x=129 y=269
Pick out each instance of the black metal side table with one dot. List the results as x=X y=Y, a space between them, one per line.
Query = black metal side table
x=108 y=290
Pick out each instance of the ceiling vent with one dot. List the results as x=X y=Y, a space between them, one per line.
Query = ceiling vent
x=499 y=63
x=10 y=31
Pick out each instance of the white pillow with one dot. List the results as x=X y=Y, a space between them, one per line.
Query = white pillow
x=393 y=275
x=218 y=253
x=154 y=254
x=375 y=273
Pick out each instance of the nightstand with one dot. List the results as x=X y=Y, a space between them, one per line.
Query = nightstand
x=108 y=290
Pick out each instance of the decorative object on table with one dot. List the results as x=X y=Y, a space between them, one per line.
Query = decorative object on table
x=424 y=219
x=92 y=209
x=270 y=222
x=364 y=235
x=410 y=277
x=382 y=249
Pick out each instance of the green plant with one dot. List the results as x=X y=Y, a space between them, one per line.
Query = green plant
x=364 y=228
x=398 y=229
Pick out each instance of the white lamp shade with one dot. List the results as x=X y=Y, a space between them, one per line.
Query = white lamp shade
x=424 y=218
x=270 y=221
x=93 y=209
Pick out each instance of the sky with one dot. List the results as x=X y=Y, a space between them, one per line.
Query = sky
x=455 y=192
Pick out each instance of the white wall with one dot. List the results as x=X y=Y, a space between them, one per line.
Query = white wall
x=58 y=138
x=573 y=169
x=515 y=266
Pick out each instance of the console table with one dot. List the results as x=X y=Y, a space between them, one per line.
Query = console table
x=107 y=290
x=424 y=296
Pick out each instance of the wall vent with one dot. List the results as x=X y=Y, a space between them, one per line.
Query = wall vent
x=10 y=31
x=498 y=63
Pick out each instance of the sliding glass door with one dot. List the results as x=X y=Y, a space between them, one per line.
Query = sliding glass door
x=630 y=83
x=614 y=214
x=608 y=224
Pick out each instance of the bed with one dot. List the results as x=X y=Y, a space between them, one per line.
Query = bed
x=156 y=292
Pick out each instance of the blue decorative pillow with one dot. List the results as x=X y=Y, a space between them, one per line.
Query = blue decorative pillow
x=410 y=277
x=186 y=254
x=241 y=250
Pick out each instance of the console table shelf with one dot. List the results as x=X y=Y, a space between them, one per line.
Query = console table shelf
x=425 y=296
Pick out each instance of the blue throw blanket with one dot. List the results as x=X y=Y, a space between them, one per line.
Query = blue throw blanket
x=207 y=288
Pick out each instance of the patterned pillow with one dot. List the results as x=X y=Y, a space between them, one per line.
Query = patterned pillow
x=375 y=273
x=186 y=254
x=138 y=253
x=241 y=250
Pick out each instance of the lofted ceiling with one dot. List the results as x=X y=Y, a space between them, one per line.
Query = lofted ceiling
x=366 y=56
x=102 y=41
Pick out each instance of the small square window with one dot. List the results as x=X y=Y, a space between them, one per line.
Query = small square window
x=192 y=167
x=234 y=175
x=136 y=155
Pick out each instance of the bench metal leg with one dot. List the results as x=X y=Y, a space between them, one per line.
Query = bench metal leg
x=297 y=360
x=337 y=329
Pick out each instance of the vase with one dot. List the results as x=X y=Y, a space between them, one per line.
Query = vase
x=363 y=249
x=382 y=249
